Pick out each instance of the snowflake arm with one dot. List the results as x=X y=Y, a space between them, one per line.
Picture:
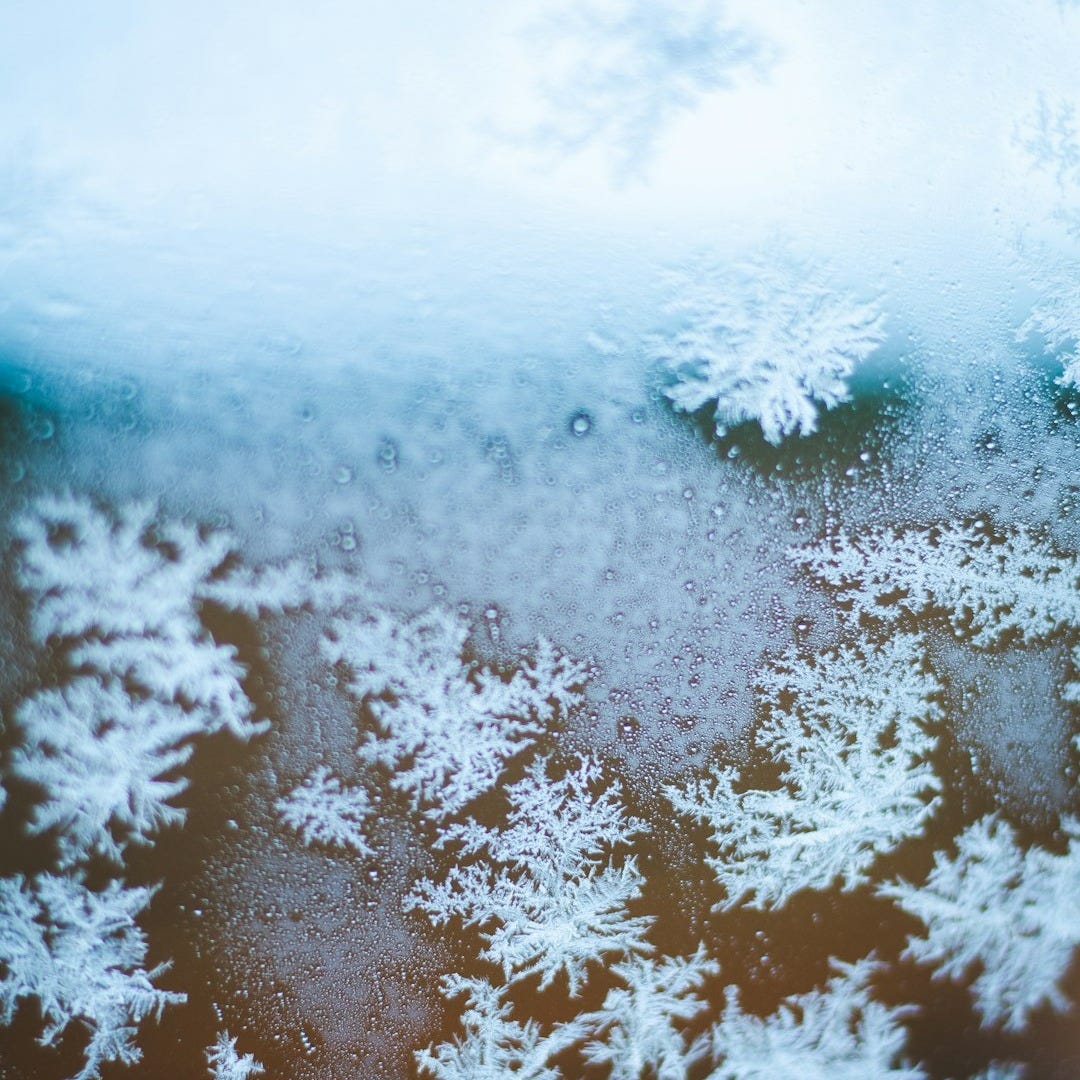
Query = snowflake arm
x=854 y=743
x=445 y=731
x=100 y=757
x=1013 y=916
x=494 y=1045
x=79 y=953
x=639 y=1026
x=987 y=587
x=120 y=596
x=227 y=1064
x=545 y=895
x=839 y=1033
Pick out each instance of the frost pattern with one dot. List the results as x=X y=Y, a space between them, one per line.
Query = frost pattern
x=542 y=884
x=627 y=68
x=80 y=955
x=494 y=1045
x=768 y=342
x=641 y=1021
x=99 y=756
x=1013 y=916
x=118 y=598
x=838 y=1033
x=226 y=1064
x=987 y=587
x=1049 y=139
x=854 y=743
x=446 y=728
x=1056 y=318
x=324 y=812
x=121 y=597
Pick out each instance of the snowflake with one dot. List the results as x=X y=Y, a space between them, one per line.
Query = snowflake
x=839 y=1033
x=495 y=1046
x=99 y=756
x=624 y=69
x=988 y=587
x=1057 y=319
x=767 y=342
x=323 y=812
x=641 y=1020
x=856 y=781
x=1012 y=916
x=446 y=729
x=554 y=903
x=226 y=1064
x=79 y=953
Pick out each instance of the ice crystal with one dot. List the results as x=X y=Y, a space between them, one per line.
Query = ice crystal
x=324 y=812
x=546 y=884
x=1012 y=916
x=768 y=342
x=100 y=758
x=226 y=1064
x=277 y=589
x=494 y=1045
x=839 y=1033
x=80 y=955
x=986 y=586
x=626 y=69
x=1048 y=136
x=121 y=597
x=447 y=728
x=1056 y=318
x=640 y=1025
x=851 y=730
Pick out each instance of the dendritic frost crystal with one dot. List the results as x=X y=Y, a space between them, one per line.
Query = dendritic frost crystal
x=1010 y=916
x=853 y=731
x=768 y=342
x=840 y=1032
x=988 y=587
x=79 y=954
x=446 y=728
x=545 y=890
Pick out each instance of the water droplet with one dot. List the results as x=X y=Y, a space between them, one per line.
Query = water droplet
x=581 y=424
x=343 y=474
x=388 y=455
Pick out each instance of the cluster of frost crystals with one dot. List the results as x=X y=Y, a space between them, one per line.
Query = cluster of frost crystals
x=769 y=342
x=1011 y=915
x=546 y=884
x=839 y=1033
x=118 y=598
x=1056 y=318
x=100 y=757
x=322 y=811
x=121 y=596
x=851 y=730
x=226 y=1063
x=988 y=587
x=447 y=729
x=80 y=954
x=626 y=68
x=494 y=1045
x=638 y=1031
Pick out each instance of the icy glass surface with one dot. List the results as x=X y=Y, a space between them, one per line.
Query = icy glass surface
x=540 y=539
